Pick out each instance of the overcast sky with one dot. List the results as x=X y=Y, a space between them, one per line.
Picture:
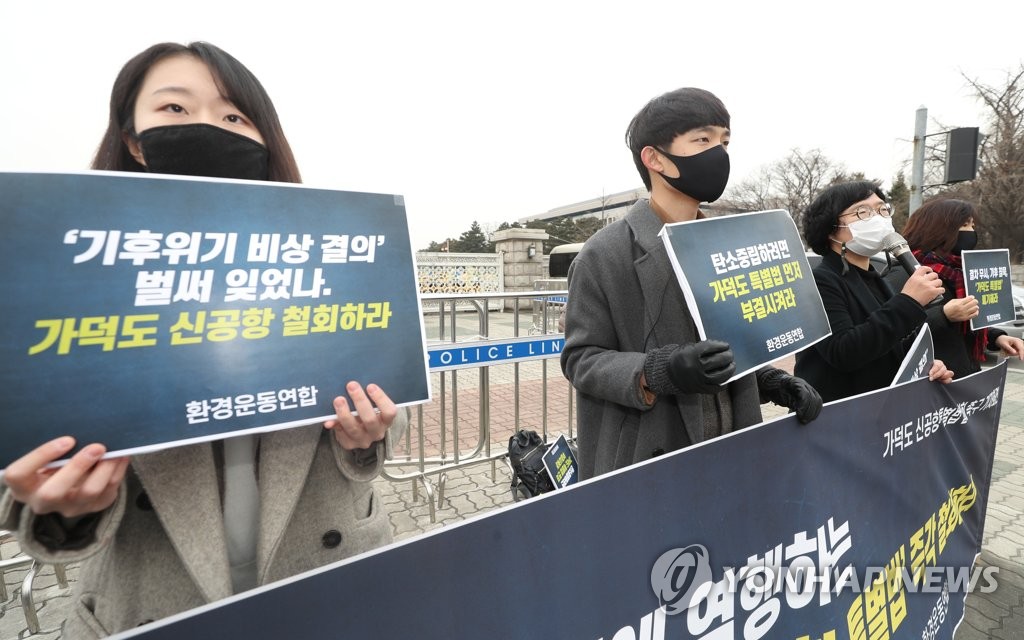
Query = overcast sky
x=494 y=111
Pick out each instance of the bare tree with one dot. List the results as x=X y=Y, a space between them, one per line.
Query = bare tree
x=790 y=183
x=999 y=187
x=754 y=193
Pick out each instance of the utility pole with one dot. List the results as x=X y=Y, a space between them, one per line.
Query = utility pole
x=917 y=170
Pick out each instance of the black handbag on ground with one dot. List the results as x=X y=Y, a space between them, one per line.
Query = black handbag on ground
x=526 y=455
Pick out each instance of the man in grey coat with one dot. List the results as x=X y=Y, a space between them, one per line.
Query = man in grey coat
x=645 y=383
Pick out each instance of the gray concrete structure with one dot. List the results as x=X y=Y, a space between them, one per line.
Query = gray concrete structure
x=522 y=252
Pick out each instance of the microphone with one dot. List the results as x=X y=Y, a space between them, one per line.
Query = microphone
x=897 y=246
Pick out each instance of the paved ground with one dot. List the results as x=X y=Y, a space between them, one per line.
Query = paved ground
x=471 y=486
x=1001 y=614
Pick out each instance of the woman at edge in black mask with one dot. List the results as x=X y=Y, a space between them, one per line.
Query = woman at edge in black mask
x=171 y=530
x=937 y=232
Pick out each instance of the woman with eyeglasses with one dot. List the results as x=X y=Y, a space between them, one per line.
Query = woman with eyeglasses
x=872 y=325
x=937 y=232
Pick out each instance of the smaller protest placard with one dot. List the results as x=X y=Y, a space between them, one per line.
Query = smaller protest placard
x=987 y=278
x=747 y=281
x=560 y=462
x=918 y=360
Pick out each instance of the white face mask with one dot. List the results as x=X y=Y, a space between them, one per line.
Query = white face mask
x=868 y=235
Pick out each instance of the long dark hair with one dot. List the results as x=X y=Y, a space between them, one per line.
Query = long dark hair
x=235 y=82
x=934 y=226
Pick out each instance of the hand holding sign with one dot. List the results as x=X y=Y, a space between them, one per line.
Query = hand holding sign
x=790 y=392
x=370 y=422
x=701 y=367
x=1011 y=347
x=86 y=484
x=940 y=373
x=961 y=309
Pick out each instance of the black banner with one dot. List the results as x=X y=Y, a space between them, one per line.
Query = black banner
x=862 y=524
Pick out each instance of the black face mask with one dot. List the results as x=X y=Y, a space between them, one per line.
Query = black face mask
x=702 y=176
x=203 y=150
x=965 y=241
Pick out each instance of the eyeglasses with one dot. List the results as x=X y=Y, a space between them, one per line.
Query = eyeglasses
x=865 y=212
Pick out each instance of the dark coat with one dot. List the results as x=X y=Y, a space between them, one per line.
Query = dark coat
x=624 y=300
x=869 y=340
x=952 y=345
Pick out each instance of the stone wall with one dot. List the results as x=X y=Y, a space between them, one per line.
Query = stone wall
x=522 y=252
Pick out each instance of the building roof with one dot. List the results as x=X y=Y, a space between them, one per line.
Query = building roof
x=612 y=206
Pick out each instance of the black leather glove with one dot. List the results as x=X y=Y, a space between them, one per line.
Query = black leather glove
x=790 y=392
x=701 y=367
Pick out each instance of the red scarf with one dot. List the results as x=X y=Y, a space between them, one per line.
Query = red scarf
x=950 y=270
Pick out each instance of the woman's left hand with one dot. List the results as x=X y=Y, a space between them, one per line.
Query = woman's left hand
x=1011 y=346
x=939 y=372
x=369 y=424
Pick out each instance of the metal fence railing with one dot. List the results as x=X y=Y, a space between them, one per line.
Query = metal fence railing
x=491 y=375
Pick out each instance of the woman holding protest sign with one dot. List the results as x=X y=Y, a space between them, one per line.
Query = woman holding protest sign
x=872 y=326
x=171 y=530
x=937 y=233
